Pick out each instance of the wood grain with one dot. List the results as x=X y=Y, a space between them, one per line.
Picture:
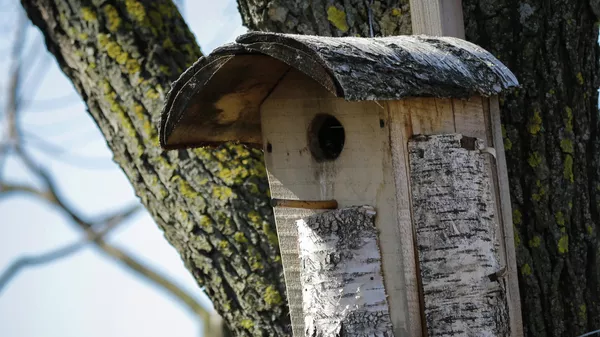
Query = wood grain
x=429 y=115
x=217 y=99
x=437 y=17
x=362 y=175
x=469 y=117
x=307 y=204
x=400 y=132
x=508 y=239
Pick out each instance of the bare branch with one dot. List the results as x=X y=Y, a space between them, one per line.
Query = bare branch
x=50 y=192
x=6 y=189
x=37 y=260
x=53 y=196
x=595 y=332
x=4 y=151
x=15 y=69
x=61 y=252
x=65 y=156
x=156 y=278
x=117 y=217
x=54 y=103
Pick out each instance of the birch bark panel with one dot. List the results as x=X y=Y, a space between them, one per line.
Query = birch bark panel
x=343 y=291
x=362 y=175
x=457 y=245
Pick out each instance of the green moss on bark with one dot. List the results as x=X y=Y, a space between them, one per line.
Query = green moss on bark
x=140 y=46
x=557 y=68
x=554 y=156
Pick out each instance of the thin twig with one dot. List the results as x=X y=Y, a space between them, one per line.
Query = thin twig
x=4 y=151
x=51 y=192
x=52 y=195
x=13 y=86
x=590 y=333
x=59 y=253
x=156 y=278
x=6 y=189
x=65 y=156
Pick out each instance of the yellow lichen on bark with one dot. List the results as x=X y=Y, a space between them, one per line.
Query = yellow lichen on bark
x=337 y=17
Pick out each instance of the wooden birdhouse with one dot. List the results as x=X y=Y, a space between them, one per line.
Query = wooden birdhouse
x=386 y=166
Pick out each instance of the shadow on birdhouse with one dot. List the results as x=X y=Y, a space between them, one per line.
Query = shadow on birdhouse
x=402 y=135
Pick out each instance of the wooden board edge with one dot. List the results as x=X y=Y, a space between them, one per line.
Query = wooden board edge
x=398 y=123
x=512 y=281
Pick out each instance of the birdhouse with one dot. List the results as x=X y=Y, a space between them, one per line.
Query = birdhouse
x=386 y=167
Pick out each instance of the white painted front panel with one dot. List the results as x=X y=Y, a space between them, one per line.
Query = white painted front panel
x=361 y=175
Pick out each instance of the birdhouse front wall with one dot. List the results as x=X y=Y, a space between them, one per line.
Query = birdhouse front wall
x=372 y=169
x=361 y=175
x=323 y=152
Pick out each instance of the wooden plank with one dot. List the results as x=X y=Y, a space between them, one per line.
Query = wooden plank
x=472 y=117
x=437 y=17
x=471 y=120
x=430 y=115
x=226 y=110
x=512 y=281
x=343 y=292
x=492 y=168
x=287 y=233
x=362 y=175
x=456 y=237
x=400 y=131
x=469 y=117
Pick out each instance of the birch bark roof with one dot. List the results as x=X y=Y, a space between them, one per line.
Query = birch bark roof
x=218 y=98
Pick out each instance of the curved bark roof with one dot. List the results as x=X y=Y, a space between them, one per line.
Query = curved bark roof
x=218 y=98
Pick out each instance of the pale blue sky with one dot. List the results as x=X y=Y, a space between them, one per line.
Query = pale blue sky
x=88 y=295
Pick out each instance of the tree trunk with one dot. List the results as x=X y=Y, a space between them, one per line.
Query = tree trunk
x=552 y=147
x=552 y=136
x=328 y=17
x=212 y=204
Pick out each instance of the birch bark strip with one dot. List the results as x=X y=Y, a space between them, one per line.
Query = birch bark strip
x=457 y=245
x=343 y=291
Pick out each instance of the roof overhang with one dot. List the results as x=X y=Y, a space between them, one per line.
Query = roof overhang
x=218 y=98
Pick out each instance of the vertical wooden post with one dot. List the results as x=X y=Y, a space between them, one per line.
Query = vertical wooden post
x=445 y=18
x=505 y=216
x=437 y=18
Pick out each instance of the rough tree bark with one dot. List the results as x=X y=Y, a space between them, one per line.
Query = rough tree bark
x=212 y=204
x=553 y=153
x=552 y=136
